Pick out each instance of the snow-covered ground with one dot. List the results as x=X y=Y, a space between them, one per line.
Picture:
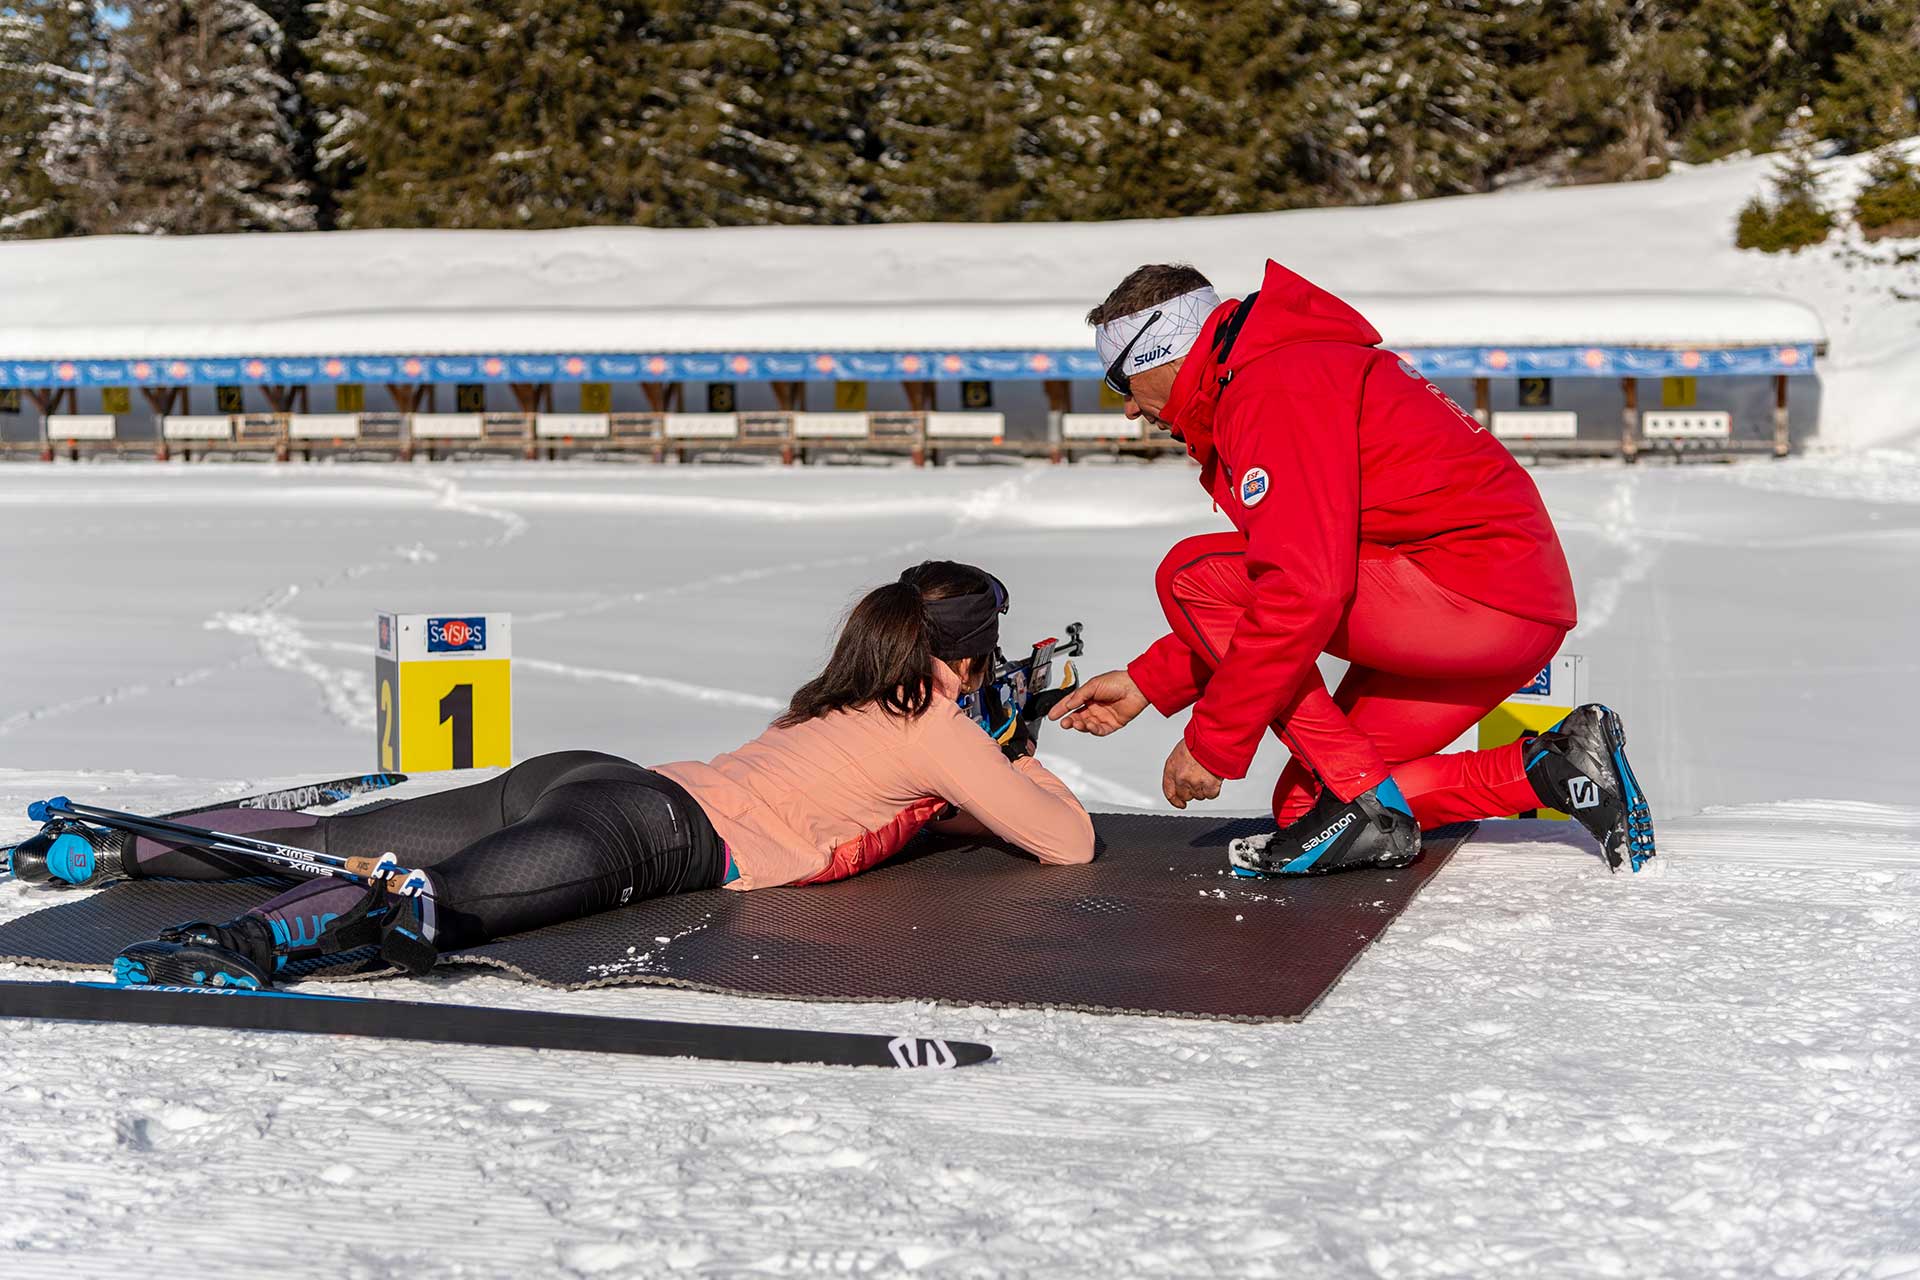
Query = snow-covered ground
x=1712 y=1068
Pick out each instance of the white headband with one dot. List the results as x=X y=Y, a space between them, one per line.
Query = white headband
x=1175 y=331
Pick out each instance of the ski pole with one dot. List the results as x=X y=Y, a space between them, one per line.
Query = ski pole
x=366 y=870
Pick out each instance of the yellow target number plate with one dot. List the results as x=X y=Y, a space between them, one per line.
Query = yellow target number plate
x=443 y=688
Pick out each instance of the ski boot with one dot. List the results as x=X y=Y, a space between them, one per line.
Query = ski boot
x=68 y=854
x=400 y=926
x=240 y=953
x=1580 y=768
x=1374 y=829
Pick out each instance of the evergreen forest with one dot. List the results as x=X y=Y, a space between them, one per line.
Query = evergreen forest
x=195 y=116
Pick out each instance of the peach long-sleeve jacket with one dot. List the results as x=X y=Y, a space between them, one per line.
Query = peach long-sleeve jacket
x=838 y=794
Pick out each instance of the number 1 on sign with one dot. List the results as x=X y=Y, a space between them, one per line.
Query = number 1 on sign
x=457 y=706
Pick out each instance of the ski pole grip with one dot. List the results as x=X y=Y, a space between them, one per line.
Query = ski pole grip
x=41 y=810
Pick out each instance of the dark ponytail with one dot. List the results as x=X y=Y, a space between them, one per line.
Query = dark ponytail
x=885 y=653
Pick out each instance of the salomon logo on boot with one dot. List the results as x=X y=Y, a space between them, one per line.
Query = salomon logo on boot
x=68 y=854
x=1376 y=829
x=1580 y=767
x=240 y=953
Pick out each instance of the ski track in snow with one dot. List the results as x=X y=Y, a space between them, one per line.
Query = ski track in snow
x=1635 y=553
x=124 y=693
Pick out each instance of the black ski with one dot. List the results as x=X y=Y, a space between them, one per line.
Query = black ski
x=238 y=1009
x=306 y=795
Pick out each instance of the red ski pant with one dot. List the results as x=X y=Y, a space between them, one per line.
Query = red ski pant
x=1426 y=665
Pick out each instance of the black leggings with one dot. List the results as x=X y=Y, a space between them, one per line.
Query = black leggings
x=554 y=838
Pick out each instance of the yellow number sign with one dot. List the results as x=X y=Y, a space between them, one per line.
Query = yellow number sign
x=850 y=397
x=350 y=397
x=116 y=400
x=596 y=397
x=443 y=688
x=1559 y=688
x=1678 y=393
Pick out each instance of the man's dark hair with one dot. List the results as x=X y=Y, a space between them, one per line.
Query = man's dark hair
x=1148 y=286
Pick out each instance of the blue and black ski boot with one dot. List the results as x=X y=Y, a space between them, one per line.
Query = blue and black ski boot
x=1580 y=768
x=239 y=953
x=68 y=854
x=1374 y=829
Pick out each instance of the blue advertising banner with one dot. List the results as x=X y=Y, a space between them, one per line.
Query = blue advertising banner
x=836 y=366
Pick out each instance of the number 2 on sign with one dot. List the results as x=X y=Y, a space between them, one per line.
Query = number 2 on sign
x=457 y=706
x=389 y=726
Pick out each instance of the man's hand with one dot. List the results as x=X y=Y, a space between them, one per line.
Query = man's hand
x=1186 y=779
x=1103 y=705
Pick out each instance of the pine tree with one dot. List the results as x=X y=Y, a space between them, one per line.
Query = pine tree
x=1795 y=217
x=507 y=113
x=1889 y=202
x=193 y=126
x=984 y=111
x=1427 y=108
x=1730 y=99
x=780 y=126
x=1874 y=93
x=49 y=53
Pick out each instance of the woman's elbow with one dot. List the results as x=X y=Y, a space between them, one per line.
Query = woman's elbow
x=1074 y=846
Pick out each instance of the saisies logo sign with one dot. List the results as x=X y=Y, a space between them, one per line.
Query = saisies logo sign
x=456 y=635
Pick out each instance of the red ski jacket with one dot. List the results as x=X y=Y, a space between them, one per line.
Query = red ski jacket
x=1313 y=441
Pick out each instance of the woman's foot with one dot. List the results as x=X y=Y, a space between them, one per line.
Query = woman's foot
x=240 y=953
x=1374 y=829
x=68 y=854
x=1580 y=768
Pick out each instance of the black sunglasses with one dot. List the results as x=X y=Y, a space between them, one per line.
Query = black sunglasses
x=1116 y=372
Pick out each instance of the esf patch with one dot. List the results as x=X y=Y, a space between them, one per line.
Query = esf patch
x=1253 y=487
x=456 y=635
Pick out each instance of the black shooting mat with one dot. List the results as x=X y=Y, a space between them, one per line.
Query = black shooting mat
x=1154 y=925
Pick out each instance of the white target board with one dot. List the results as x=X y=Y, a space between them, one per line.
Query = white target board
x=1685 y=424
x=323 y=426
x=1535 y=424
x=196 y=426
x=1101 y=426
x=577 y=426
x=80 y=426
x=446 y=426
x=966 y=426
x=831 y=426
x=703 y=426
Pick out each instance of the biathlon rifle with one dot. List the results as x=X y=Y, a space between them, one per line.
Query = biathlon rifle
x=1017 y=695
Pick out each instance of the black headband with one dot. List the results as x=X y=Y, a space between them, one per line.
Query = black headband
x=963 y=626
